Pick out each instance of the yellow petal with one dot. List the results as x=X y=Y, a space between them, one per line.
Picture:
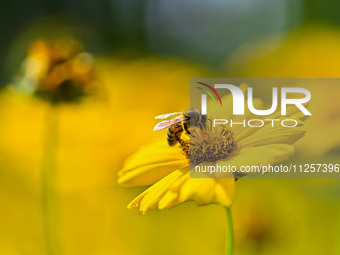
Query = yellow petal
x=201 y=190
x=255 y=156
x=224 y=191
x=151 y=163
x=272 y=135
x=208 y=190
x=151 y=173
x=239 y=130
x=290 y=111
x=149 y=199
x=178 y=187
x=156 y=152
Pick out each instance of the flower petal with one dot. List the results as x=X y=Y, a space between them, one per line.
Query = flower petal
x=150 y=173
x=149 y=199
x=155 y=152
x=239 y=130
x=255 y=156
x=151 y=163
x=201 y=190
x=291 y=110
x=272 y=135
x=178 y=187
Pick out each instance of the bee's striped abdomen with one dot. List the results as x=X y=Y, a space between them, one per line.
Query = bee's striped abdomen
x=174 y=133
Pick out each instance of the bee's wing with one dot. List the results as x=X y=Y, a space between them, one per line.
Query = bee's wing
x=168 y=123
x=168 y=115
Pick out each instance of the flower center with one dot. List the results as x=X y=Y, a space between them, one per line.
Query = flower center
x=207 y=143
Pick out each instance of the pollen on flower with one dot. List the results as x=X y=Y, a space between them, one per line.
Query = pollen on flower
x=206 y=144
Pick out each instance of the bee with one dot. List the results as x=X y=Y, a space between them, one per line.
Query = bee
x=177 y=122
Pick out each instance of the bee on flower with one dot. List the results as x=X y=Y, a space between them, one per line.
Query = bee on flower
x=167 y=168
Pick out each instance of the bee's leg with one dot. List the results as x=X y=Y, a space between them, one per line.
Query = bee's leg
x=210 y=124
x=204 y=119
x=186 y=127
x=203 y=122
x=178 y=135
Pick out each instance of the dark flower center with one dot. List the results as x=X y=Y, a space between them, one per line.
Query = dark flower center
x=207 y=143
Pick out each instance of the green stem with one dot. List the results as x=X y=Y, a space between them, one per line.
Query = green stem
x=48 y=176
x=230 y=233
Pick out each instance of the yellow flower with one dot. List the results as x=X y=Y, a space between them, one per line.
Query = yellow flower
x=168 y=171
x=58 y=70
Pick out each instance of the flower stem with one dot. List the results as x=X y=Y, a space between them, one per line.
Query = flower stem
x=230 y=233
x=50 y=203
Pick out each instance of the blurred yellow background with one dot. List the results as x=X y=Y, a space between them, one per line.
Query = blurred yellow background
x=143 y=64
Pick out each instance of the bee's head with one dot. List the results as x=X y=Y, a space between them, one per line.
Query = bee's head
x=193 y=115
